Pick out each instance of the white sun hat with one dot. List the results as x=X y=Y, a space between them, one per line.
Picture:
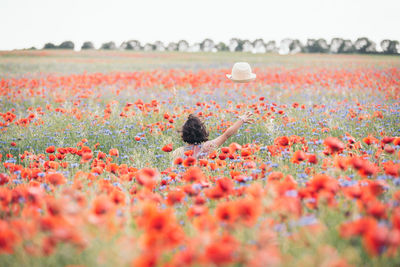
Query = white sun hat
x=241 y=73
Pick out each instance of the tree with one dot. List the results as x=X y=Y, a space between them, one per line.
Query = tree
x=233 y=44
x=316 y=46
x=149 y=47
x=348 y=47
x=87 y=46
x=270 y=46
x=390 y=47
x=49 y=46
x=207 y=45
x=311 y=46
x=67 y=45
x=108 y=46
x=236 y=45
x=159 y=46
x=195 y=47
x=134 y=45
x=172 y=46
x=371 y=49
x=284 y=47
x=221 y=46
x=259 y=46
x=183 y=46
x=336 y=46
x=323 y=45
x=131 y=45
x=295 y=47
x=362 y=44
x=247 y=46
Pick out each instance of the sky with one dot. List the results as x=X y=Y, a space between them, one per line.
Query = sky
x=27 y=23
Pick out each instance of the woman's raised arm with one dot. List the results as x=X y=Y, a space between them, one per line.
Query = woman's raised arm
x=246 y=118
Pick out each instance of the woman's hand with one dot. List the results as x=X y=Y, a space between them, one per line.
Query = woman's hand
x=173 y=90
x=247 y=117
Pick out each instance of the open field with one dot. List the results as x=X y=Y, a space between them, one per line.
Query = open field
x=86 y=176
x=68 y=62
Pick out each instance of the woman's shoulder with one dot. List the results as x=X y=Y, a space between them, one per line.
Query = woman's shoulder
x=209 y=146
x=179 y=152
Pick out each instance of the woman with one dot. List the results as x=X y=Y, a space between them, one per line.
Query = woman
x=195 y=134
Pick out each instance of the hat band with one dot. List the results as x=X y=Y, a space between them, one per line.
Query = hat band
x=241 y=76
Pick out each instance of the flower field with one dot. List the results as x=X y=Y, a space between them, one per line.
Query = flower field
x=87 y=178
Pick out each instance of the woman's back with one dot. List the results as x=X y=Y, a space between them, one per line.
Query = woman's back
x=199 y=151
x=194 y=133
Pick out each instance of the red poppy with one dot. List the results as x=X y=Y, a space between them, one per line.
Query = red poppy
x=389 y=149
x=342 y=162
x=376 y=209
x=221 y=251
x=147 y=259
x=51 y=149
x=391 y=168
x=275 y=176
x=357 y=227
x=226 y=212
x=287 y=206
x=101 y=155
x=334 y=144
x=214 y=193
x=387 y=139
x=245 y=152
x=368 y=169
x=298 y=156
x=193 y=174
x=8 y=239
x=4 y=178
x=175 y=197
x=178 y=161
x=226 y=185
x=147 y=177
x=225 y=150
x=188 y=153
x=323 y=182
x=113 y=152
x=56 y=178
x=282 y=141
x=203 y=162
x=370 y=140
x=312 y=158
x=86 y=156
x=118 y=197
x=234 y=147
x=167 y=148
x=248 y=210
x=376 y=240
x=189 y=161
x=197 y=210
x=102 y=205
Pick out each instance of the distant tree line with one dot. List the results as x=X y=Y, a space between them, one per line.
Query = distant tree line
x=63 y=45
x=362 y=45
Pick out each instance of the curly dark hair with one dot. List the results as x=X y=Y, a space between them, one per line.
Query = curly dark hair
x=194 y=131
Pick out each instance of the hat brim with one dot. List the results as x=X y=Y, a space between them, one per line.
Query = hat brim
x=252 y=78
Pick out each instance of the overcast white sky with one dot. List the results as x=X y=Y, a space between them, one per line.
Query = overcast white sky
x=26 y=23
